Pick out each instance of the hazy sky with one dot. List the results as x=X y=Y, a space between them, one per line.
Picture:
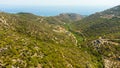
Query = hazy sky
x=41 y=7
x=60 y=2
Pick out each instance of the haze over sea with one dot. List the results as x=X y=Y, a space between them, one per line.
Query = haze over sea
x=52 y=10
x=55 y=7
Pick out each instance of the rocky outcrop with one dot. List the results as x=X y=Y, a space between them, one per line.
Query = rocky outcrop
x=106 y=48
x=102 y=41
x=111 y=63
x=3 y=21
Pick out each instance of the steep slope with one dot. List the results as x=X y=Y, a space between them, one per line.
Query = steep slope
x=101 y=23
x=115 y=11
x=63 y=41
x=102 y=35
x=29 y=41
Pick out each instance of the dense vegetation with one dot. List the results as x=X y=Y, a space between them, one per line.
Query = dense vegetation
x=103 y=30
x=64 y=41
x=29 y=41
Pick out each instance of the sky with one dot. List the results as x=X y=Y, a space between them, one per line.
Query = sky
x=61 y=2
x=18 y=5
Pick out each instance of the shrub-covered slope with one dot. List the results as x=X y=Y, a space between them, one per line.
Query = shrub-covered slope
x=29 y=41
x=102 y=35
x=101 y=23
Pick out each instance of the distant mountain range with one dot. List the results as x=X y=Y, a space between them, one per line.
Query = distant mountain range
x=67 y=40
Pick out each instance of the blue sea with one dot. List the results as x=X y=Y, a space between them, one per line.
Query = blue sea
x=52 y=10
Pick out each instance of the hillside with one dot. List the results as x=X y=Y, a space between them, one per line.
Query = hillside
x=30 y=41
x=65 y=41
x=101 y=23
x=102 y=33
x=70 y=17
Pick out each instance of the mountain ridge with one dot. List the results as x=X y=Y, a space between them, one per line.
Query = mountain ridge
x=67 y=40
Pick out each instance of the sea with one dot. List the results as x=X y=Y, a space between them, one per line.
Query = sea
x=52 y=10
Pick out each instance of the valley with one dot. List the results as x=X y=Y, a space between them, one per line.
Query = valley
x=67 y=40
